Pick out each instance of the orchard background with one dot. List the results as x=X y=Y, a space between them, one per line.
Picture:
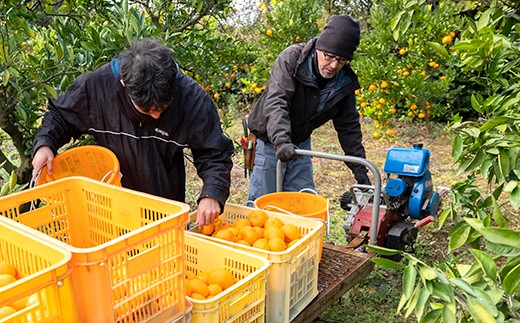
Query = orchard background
x=443 y=72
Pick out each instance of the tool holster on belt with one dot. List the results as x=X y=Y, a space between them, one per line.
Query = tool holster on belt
x=248 y=143
x=248 y=146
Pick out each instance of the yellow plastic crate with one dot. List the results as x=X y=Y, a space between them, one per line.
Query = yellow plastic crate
x=126 y=246
x=293 y=274
x=242 y=302
x=43 y=274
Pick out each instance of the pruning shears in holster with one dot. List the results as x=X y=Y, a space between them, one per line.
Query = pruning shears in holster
x=248 y=142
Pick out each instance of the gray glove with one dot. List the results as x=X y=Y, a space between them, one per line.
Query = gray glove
x=362 y=179
x=286 y=152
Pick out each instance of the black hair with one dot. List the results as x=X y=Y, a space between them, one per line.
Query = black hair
x=149 y=73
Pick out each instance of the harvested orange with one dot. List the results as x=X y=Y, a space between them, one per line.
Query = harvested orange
x=262 y=244
x=187 y=287
x=214 y=289
x=6 y=311
x=226 y=234
x=208 y=229
x=291 y=232
x=222 y=277
x=235 y=232
x=249 y=234
x=6 y=279
x=203 y=276
x=274 y=221
x=277 y=244
x=197 y=296
x=257 y=218
x=244 y=242
x=271 y=232
x=190 y=275
x=259 y=230
x=199 y=287
x=19 y=304
x=292 y=243
x=7 y=268
x=242 y=223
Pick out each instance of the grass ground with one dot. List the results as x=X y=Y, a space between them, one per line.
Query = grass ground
x=376 y=298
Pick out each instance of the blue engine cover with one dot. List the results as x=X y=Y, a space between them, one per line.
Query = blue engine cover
x=407 y=161
x=421 y=192
x=395 y=187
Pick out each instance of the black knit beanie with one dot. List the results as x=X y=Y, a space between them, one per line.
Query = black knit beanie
x=340 y=36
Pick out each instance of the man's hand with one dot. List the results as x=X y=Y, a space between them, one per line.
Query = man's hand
x=286 y=152
x=43 y=157
x=362 y=179
x=208 y=211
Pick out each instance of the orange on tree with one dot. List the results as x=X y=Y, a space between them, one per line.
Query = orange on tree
x=383 y=85
x=390 y=132
x=372 y=87
x=406 y=73
x=269 y=32
x=402 y=51
x=421 y=115
x=446 y=40
x=376 y=135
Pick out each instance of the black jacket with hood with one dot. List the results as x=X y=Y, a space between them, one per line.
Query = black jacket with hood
x=287 y=109
x=150 y=151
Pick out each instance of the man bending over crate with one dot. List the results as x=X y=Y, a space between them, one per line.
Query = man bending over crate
x=146 y=111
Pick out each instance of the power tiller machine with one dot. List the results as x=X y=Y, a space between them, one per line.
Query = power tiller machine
x=388 y=214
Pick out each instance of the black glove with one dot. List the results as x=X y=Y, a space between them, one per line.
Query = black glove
x=362 y=179
x=286 y=152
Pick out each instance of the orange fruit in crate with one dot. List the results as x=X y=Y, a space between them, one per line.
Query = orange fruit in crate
x=249 y=234
x=274 y=221
x=292 y=243
x=199 y=287
x=203 y=276
x=262 y=244
x=257 y=218
x=214 y=289
x=197 y=296
x=242 y=223
x=6 y=279
x=6 y=311
x=226 y=234
x=222 y=277
x=259 y=230
x=291 y=232
x=277 y=244
x=190 y=275
x=235 y=232
x=273 y=231
x=245 y=243
x=208 y=229
x=187 y=287
x=7 y=268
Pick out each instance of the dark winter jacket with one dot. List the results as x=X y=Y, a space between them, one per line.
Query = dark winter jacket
x=287 y=109
x=150 y=151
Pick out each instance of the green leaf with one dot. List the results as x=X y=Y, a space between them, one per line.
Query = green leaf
x=447 y=315
x=424 y=296
x=432 y=316
x=459 y=235
x=486 y=301
x=510 y=264
x=514 y=198
x=475 y=104
x=413 y=301
x=478 y=312
x=498 y=216
x=394 y=23
x=502 y=250
x=486 y=263
x=442 y=291
x=462 y=284
x=6 y=77
x=51 y=90
x=511 y=281
x=428 y=272
x=456 y=150
x=476 y=161
x=409 y=276
x=496 y=121
x=502 y=236
x=439 y=49
x=386 y=263
x=384 y=251
x=475 y=223
x=483 y=22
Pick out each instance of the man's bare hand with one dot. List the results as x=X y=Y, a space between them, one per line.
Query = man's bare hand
x=43 y=157
x=208 y=211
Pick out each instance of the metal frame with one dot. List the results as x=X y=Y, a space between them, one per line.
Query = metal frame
x=349 y=159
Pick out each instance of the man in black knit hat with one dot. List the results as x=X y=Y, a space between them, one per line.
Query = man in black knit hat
x=310 y=84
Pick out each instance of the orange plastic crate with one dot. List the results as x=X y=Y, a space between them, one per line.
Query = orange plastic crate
x=242 y=302
x=94 y=162
x=126 y=246
x=293 y=274
x=43 y=274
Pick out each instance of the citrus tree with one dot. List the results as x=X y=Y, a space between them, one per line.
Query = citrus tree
x=480 y=281
x=405 y=62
